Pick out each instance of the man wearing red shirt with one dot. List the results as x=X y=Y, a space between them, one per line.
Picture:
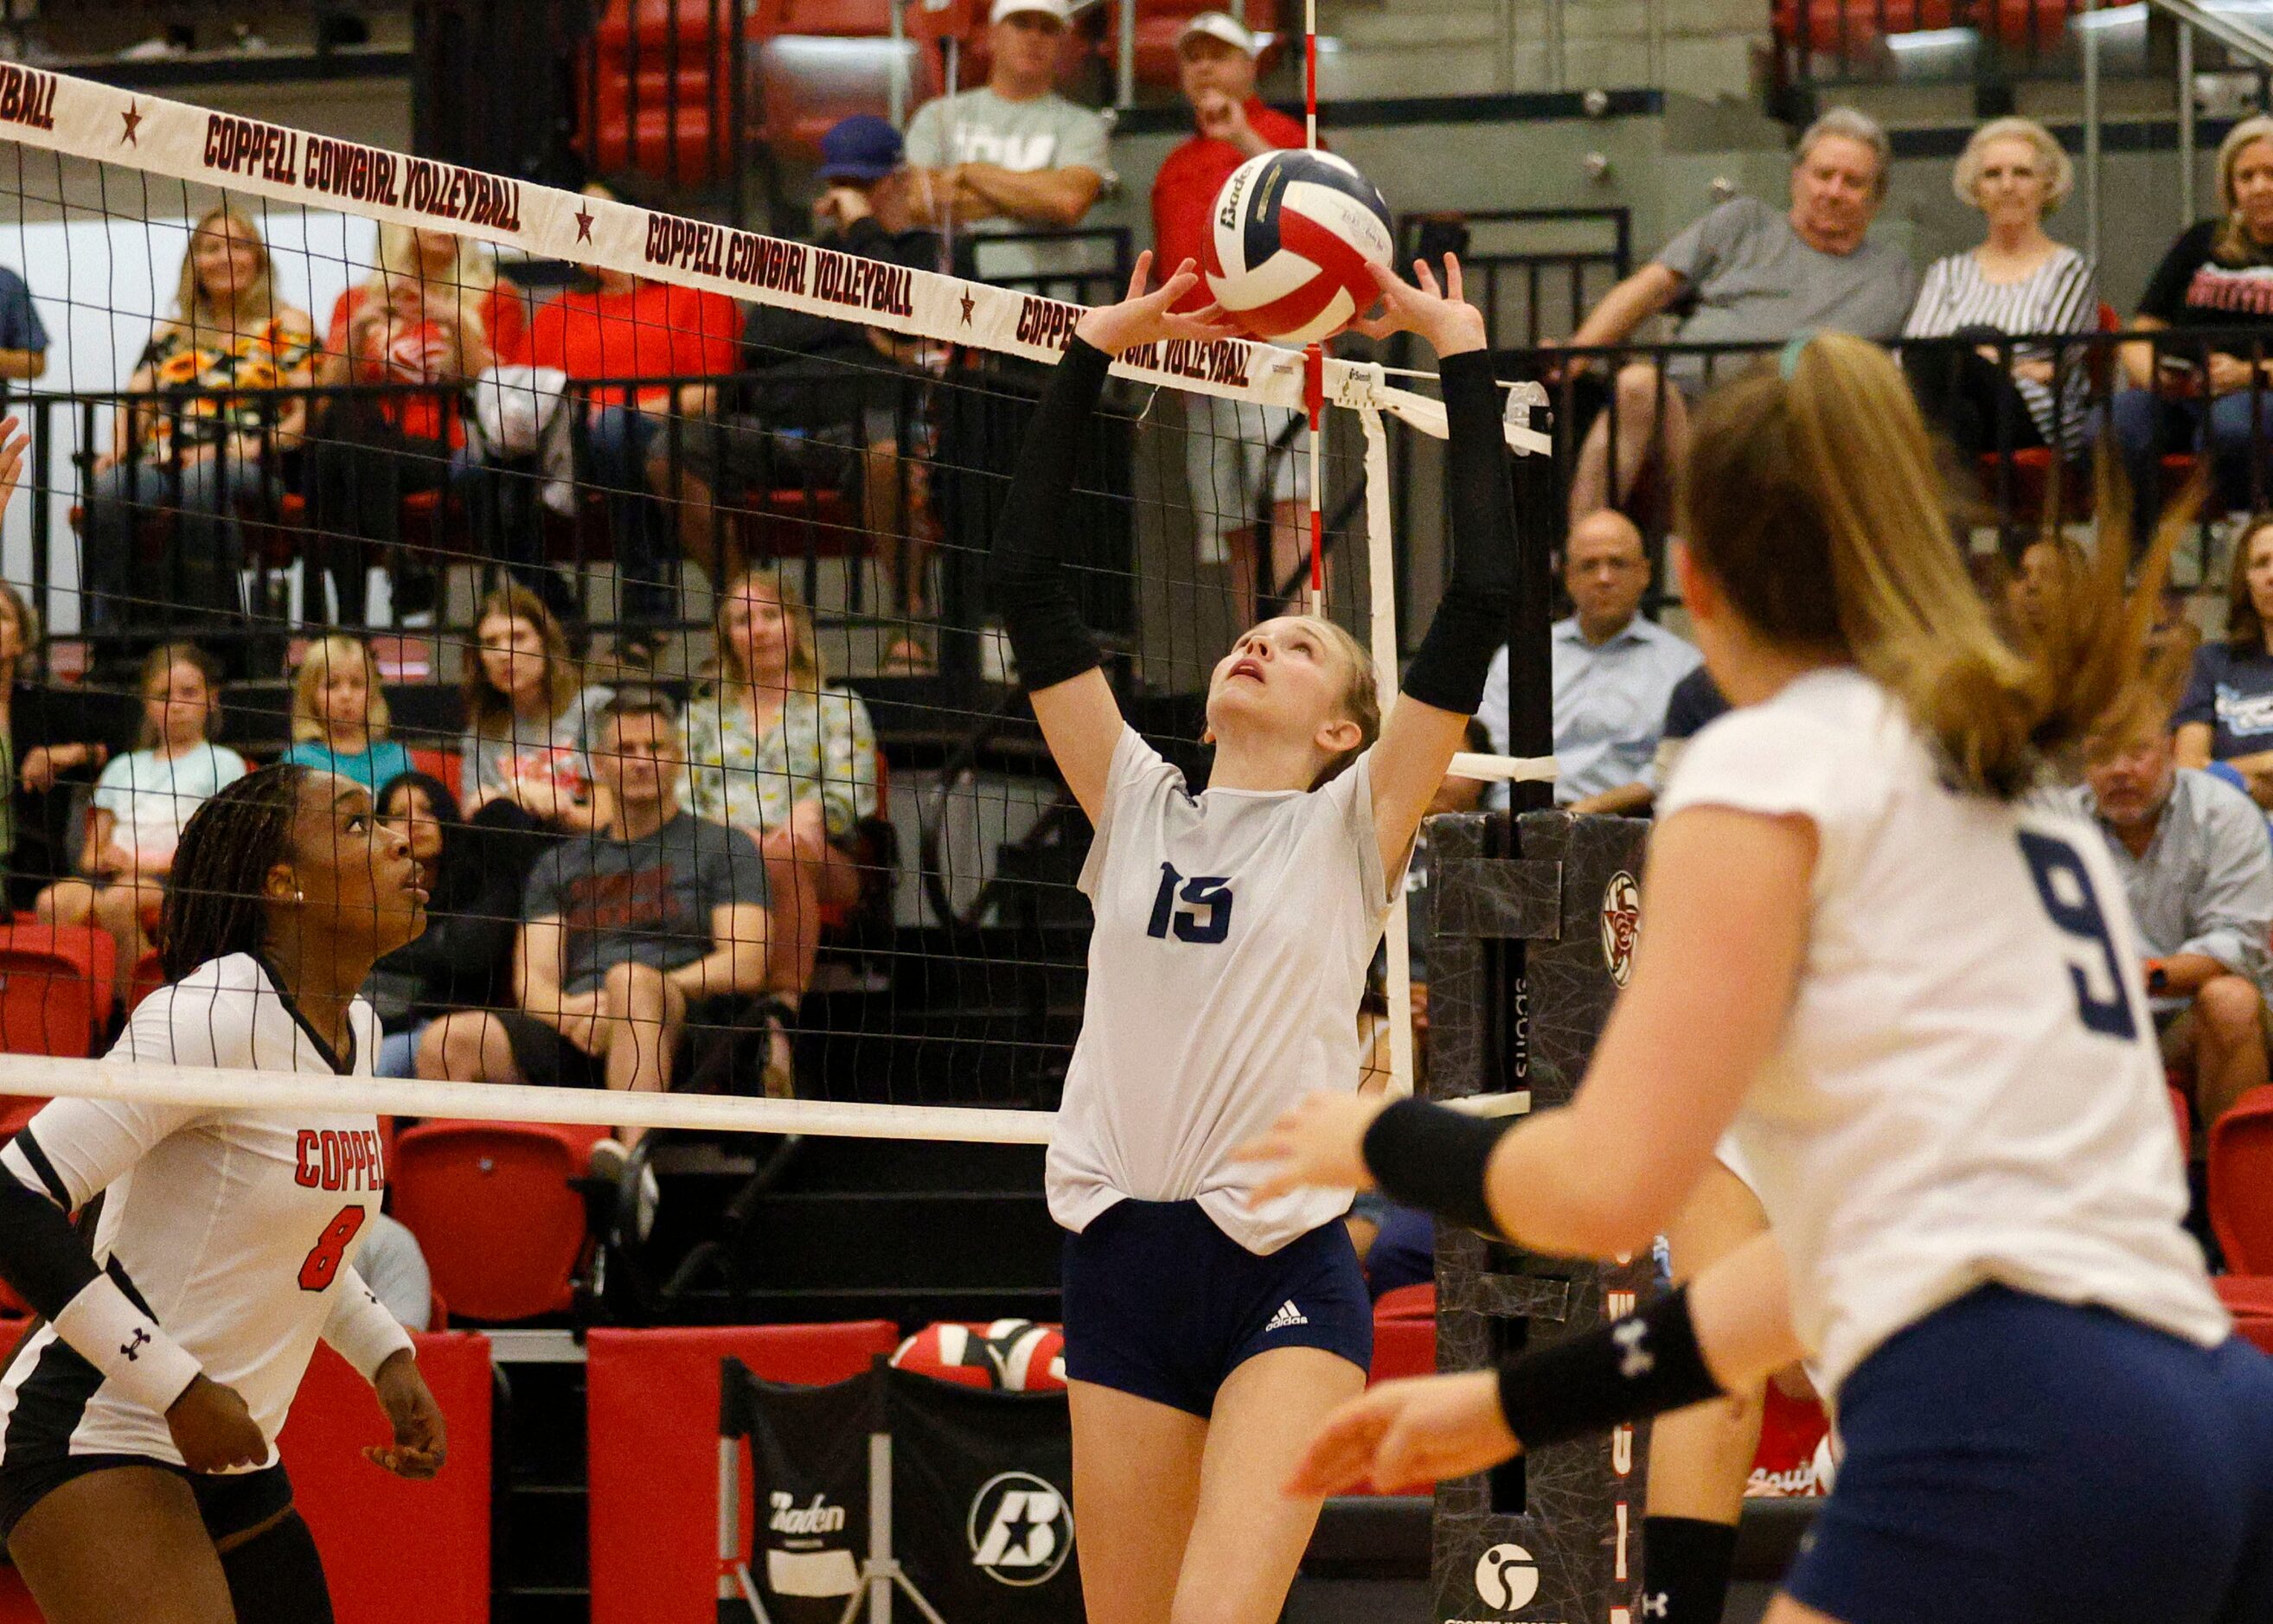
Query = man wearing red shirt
x=624 y=326
x=1225 y=441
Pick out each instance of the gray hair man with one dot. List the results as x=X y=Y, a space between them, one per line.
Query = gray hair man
x=1756 y=276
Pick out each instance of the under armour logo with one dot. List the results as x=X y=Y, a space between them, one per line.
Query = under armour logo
x=1639 y=1361
x=1653 y=1605
x=133 y=1345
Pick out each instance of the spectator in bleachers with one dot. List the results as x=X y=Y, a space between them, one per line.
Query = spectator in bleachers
x=1756 y=276
x=622 y=934
x=37 y=749
x=2215 y=276
x=434 y=314
x=1615 y=671
x=1695 y=701
x=2227 y=715
x=822 y=402
x=1226 y=442
x=191 y=444
x=777 y=752
x=339 y=717
x=2019 y=280
x=626 y=327
x=2199 y=874
x=474 y=874
x=23 y=336
x=529 y=721
x=141 y=802
x=1013 y=155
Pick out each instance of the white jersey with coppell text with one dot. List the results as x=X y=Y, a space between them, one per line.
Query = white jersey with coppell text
x=1968 y=1091
x=1234 y=931
x=231 y=1233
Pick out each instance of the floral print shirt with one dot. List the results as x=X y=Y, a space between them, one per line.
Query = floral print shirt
x=268 y=357
x=821 y=747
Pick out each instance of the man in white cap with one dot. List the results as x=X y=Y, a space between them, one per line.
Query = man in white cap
x=1225 y=441
x=1013 y=155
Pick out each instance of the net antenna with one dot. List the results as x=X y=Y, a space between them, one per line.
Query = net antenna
x=1314 y=361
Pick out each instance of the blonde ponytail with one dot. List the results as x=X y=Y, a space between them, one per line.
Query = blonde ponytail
x=1811 y=497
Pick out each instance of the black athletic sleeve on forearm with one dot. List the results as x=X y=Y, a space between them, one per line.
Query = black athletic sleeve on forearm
x=1028 y=564
x=42 y=1256
x=1642 y=1365
x=1471 y=619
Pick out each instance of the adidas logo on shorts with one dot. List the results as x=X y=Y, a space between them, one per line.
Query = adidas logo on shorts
x=1287 y=1316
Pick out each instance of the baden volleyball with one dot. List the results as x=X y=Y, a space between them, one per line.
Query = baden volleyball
x=1291 y=238
x=951 y=1353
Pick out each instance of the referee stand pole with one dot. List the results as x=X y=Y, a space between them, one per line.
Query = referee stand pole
x=880 y=1573
x=1535 y=919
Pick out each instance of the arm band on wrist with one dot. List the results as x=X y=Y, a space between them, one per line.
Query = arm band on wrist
x=1035 y=600
x=1472 y=617
x=1644 y=1365
x=1424 y=1155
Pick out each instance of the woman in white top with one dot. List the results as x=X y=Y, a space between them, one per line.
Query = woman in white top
x=2019 y=282
x=1205 y=1337
x=139 y=1477
x=142 y=801
x=1910 y=995
x=529 y=721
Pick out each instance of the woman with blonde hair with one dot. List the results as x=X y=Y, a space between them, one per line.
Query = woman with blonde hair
x=529 y=719
x=196 y=432
x=2183 y=396
x=775 y=750
x=1931 y=1058
x=1991 y=396
x=339 y=717
x=428 y=320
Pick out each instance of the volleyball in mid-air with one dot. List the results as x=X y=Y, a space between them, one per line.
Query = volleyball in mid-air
x=1289 y=244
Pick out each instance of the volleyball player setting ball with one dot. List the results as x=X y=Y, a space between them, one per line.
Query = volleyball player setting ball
x=1911 y=997
x=139 y=1477
x=1207 y=1335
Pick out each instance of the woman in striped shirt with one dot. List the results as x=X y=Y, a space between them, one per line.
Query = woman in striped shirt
x=2019 y=281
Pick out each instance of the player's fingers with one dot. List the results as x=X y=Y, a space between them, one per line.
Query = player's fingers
x=1138 y=273
x=1425 y=276
x=1341 y=1454
x=1453 y=282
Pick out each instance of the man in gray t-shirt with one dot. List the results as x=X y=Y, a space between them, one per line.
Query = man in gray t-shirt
x=1013 y=155
x=1757 y=276
x=623 y=929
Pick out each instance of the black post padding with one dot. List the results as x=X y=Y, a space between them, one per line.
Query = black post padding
x=1531 y=674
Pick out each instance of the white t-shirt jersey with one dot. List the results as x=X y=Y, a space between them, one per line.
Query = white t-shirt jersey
x=235 y=1230
x=1232 y=934
x=153 y=795
x=1968 y=1091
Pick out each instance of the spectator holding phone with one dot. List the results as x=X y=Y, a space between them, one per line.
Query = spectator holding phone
x=2218 y=274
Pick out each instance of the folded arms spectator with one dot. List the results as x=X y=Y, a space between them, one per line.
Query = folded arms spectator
x=1757 y=276
x=2018 y=281
x=2198 y=871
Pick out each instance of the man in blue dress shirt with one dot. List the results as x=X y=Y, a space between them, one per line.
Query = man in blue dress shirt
x=1614 y=672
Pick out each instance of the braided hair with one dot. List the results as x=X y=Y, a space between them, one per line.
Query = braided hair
x=214 y=900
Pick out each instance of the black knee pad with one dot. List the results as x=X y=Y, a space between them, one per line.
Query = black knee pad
x=278 y=1577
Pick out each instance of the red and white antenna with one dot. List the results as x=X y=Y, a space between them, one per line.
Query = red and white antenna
x=1314 y=356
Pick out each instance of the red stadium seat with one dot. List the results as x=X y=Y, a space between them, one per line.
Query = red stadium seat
x=56 y=990
x=445 y=765
x=1402 y=1348
x=1407 y=1302
x=2241 y=1183
x=651 y=1404
x=503 y=1231
x=394 y=1550
x=149 y=976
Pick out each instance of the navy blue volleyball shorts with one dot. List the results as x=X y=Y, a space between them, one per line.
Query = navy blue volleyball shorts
x=1162 y=1303
x=2011 y=1460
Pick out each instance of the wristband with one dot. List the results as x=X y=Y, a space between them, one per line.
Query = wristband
x=1424 y=1155
x=1641 y=1366
x=108 y=1329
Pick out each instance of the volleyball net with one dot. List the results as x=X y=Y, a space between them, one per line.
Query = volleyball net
x=545 y=457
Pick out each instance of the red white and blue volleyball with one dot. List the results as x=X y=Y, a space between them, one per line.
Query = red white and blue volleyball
x=1294 y=235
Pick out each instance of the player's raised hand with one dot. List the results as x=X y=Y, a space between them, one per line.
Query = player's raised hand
x=1439 y=313
x=1143 y=318
x=1404 y=1436
x=213 y=1430
x=1318 y=1142
x=13 y=442
x=421 y=1442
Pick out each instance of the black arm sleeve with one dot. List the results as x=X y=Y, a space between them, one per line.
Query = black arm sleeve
x=1641 y=1366
x=1471 y=620
x=42 y=1256
x=1027 y=564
